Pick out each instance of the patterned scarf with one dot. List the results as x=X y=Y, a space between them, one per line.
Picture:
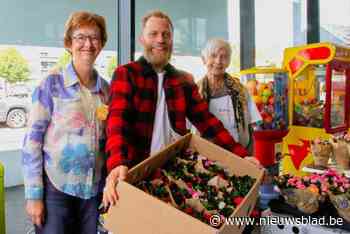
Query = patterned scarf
x=237 y=93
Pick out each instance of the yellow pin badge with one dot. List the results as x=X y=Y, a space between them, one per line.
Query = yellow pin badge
x=102 y=112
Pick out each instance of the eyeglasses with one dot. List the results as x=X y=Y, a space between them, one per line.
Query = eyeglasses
x=81 y=38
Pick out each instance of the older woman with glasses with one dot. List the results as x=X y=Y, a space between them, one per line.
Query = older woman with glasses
x=228 y=99
x=62 y=155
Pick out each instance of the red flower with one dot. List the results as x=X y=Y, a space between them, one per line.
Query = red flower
x=196 y=180
x=188 y=210
x=255 y=213
x=157 y=174
x=207 y=216
x=222 y=175
x=237 y=200
x=189 y=184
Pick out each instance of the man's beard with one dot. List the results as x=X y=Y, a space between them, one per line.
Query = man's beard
x=157 y=60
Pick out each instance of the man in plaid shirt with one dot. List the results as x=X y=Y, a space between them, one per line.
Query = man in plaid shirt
x=150 y=101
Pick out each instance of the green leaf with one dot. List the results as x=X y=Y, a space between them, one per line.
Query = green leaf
x=13 y=66
x=112 y=64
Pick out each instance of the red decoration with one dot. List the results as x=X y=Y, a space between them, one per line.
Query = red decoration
x=315 y=53
x=299 y=152
x=295 y=64
x=264 y=148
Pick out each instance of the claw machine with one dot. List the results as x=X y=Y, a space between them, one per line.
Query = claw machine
x=319 y=99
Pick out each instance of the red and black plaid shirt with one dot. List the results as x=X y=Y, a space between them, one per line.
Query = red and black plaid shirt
x=132 y=112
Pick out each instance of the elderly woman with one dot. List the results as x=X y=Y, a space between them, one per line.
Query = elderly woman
x=228 y=99
x=62 y=152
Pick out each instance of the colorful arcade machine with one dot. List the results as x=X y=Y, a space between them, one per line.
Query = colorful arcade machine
x=269 y=88
x=319 y=104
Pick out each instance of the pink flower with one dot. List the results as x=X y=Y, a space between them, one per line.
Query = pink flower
x=314 y=181
x=291 y=181
x=195 y=195
x=208 y=163
x=331 y=173
x=324 y=188
x=314 y=176
x=306 y=178
x=190 y=190
x=347 y=137
x=317 y=141
x=300 y=185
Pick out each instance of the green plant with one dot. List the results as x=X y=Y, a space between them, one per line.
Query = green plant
x=112 y=63
x=13 y=66
x=63 y=60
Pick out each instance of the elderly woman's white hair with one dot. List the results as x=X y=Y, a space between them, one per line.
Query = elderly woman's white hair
x=214 y=45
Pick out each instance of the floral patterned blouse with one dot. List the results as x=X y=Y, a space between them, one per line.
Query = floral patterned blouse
x=64 y=137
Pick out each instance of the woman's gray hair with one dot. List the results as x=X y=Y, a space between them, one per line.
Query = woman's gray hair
x=215 y=44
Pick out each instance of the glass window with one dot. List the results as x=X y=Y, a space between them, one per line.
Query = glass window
x=32 y=39
x=278 y=25
x=194 y=24
x=31 y=43
x=309 y=97
x=337 y=110
x=335 y=21
x=269 y=91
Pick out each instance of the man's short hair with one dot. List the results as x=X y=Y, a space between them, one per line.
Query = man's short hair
x=158 y=14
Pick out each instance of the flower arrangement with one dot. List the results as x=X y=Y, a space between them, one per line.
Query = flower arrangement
x=336 y=183
x=339 y=192
x=341 y=150
x=306 y=192
x=198 y=186
x=321 y=150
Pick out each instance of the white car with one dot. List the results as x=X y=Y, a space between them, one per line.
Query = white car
x=14 y=111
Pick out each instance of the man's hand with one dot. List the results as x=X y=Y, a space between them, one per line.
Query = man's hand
x=110 y=195
x=36 y=211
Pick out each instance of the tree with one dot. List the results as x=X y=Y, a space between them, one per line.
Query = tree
x=112 y=63
x=63 y=60
x=13 y=66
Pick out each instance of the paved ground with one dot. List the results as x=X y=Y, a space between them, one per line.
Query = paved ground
x=16 y=220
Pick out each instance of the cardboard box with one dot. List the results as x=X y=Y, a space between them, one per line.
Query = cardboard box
x=140 y=213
